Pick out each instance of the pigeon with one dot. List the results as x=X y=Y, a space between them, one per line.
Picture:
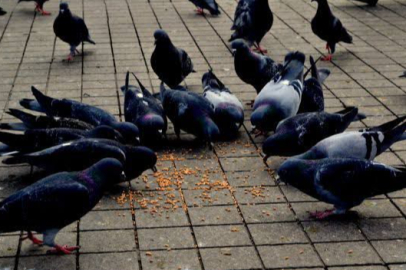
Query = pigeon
x=38 y=139
x=210 y=5
x=2 y=12
x=299 y=133
x=142 y=109
x=329 y=28
x=312 y=96
x=30 y=121
x=71 y=29
x=358 y=144
x=403 y=75
x=79 y=154
x=280 y=98
x=252 y=20
x=190 y=112
x=56 y=201
x=83 y=112
x=228 y=110
x=39 y=6
x=253 y=68
x=172 y=65
x=343 y=182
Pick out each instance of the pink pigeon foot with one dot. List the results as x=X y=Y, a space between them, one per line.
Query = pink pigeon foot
x=63 y=249
x=33 y=239
x=322 y=215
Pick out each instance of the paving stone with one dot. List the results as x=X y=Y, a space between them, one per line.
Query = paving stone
x=7 y=263
x=215 y=215
x=201 y=198
x=173 y=217
x=387 y=228
x=391 y=251
x=249 y=179
x=277 y=233
x=67 y=262
x=230 y=258
x=100 y=220
x=109 y=261
x=168 y=260
x=164 y=238
x=267 y=213
x=226 y=235
x=9 y=245
x=107 y=241
x=332 y=231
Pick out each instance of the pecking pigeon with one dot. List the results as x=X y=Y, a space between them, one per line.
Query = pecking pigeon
x=144 y=110
x=56 y=201
x=172 y=65
x=253 y=68
x=71 y=29
x=362 y=144
x=281 y=97
x=329 y=28
x=343 y=182
x=252 y=20
x=190 y=112
x=299 y=133
x=312 y=96
x=228 y=110
x=79 y=154
x=210 y=5
x=39 y=6
x=2 y=12
x=83 y=112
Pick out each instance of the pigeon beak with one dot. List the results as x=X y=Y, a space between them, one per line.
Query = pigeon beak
x=154 y=169
x=160 y=131
x=278 y=180
x=62 y=11
x=123 y=177
x=233 y=52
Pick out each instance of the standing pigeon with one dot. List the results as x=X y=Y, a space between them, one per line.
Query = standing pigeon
x=343 y=182
x=299 y=133
x=172 y=65
x=210 y=5
x=190 y=112
x=281 y=97
x=363 y=144
x=2 y=12
x=56 y=201
x=79 y=154
x=38 y=139
x=253 y=68
x=83 y=112
x=39 y=6
x=252 y=20
x=312 y=97
x=329 y=28
x=71 y=29
x=30 y=121
x=228 y=110
x=142 y=109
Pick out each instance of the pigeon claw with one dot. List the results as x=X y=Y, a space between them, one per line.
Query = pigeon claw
x=327 y=58
x=199 y=11
x=33 y=239
x=57 y=249
x=322 y=215
x=260 y=50
x=40 y=10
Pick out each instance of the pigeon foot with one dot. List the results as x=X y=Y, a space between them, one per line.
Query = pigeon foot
x=327 y=58
x=199 y=11
x=33 y=239
x=40 y=10
x=260 y=50
x=322 y=215
x=62 y=249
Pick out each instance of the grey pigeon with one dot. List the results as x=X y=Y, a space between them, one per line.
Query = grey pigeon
x=343 y=182
x=358 y=144
x=39 y=6
x=79 y=154
x=37 y=139
x=252 y=20
x=56 y=201
x=172 y=65
x=2 y=12
x=144 y=110
x=299 y=133
x=210 y=5
x=190 y=112
x=30 y=121
x=73 y=109
x=71 y=29
x=329 y=28
x=280 y=98
x=253 y=68
x=228 y=110
x=312 y=97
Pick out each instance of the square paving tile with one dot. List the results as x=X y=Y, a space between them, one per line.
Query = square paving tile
x=391 y=251
x=109 y=261
x=267 y=213
x=172 y=217
x=164 y=238
x=277 y=233
x=222 y=236
x=169 y=260
x=107 y=241
x=230 y=258
x=215 y=215
x=53 y=262
x=329 y=231
x=102 y=220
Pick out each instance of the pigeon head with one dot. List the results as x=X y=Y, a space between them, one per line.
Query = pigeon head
x=210 y=80
x=107 y=171
x=106 y=132
x=151 y=126
x=210 y=130
x=64 y=8
x=230 y=115
x=279 y=144
x=265 y=118
x=161 y=37
x=139 y=159
x=296 y=172
x=239 y=45
x=129 y=131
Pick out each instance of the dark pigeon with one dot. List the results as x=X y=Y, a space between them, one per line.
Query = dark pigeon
x=30 y=121
x=144 y=110
x=358 y=144
x=39 y=6
x=37 y=139
x=228 y=110
x=329 y=28
x=343 y=182
x=190 y=112
x=2 y=12
x=253 y=68
x=80 y=111
x=210 y=5
x=79 y=154
x=252 y=20
x=71 y=29
x=172 y=65
x=299 y=133
x=312 y=97
x=56 y=201
x=280 y=98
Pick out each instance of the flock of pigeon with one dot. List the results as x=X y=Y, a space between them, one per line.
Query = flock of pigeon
x=89 y=150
